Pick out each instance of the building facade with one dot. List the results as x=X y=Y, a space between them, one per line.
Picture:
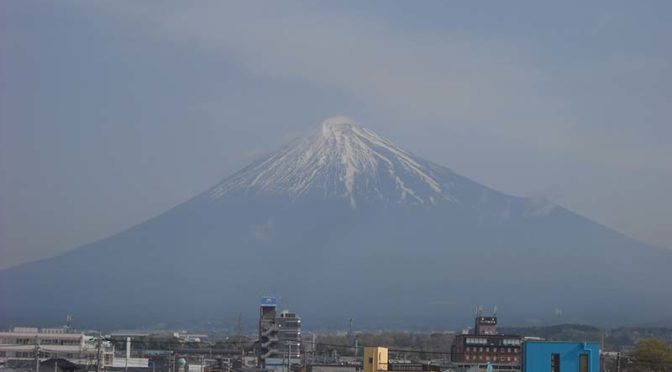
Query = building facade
x=279 y=337
x=556 y=356
x=375 y=359
x=289 y=334
x=268 y=331
x=486 y=346
x=25 y=344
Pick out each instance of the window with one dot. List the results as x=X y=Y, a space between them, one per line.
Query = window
x=583 y=363
x=370 y=360
x=555 y=362
x=511 y=342
x=476 y=341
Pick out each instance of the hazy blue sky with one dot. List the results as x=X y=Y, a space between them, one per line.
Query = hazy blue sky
x=114 y=111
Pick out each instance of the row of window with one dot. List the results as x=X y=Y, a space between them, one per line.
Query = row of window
x=494 y=349
x=484 y=341
x=583 y=362
x=31 y=354
x=488 y=358
x=31 y=341
x=59 y=342
x=477 y=341
x=511 y=341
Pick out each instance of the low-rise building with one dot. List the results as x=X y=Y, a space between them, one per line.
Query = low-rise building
x=559 y=356
x=376 y=359
x=22 y=344
x=486 y=346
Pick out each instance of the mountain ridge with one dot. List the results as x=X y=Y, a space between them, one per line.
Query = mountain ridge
x=338 y=146
x=292 y=226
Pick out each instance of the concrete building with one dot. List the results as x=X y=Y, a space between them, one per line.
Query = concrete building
x=556 y=356
x=376 y=359
x=279 y=337
x=486 y=346
x=21 y=344
x=289 y=332
x=268 y=331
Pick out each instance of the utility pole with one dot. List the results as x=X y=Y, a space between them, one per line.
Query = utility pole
x=618 y=362
x=37 y=354
x=99 y=344
x=289 y=356
x=240 y=338
x=312 y=360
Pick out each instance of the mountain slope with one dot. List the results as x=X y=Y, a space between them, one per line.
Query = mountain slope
x=340 y=159
x=340 y=224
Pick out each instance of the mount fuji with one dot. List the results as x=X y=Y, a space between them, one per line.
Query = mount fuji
x=344 y=224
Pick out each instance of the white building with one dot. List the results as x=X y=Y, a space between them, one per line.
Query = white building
x=21 y=344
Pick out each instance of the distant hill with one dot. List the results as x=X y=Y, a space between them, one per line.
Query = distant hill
x=614 y=338
x=561 y=332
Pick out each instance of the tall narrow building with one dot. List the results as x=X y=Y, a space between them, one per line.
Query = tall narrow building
x=268 y=330
x=279 y=337
x=289 y=327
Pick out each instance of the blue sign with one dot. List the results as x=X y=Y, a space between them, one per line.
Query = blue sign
x=269 y=301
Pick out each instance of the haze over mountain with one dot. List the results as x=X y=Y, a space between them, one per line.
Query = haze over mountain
x=343 y=223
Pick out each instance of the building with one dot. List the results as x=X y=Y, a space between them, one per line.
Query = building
x=376 y=359
x=279 y=337
x=289 y=334
x=557 y=356
x=268 y=331
x=20 y=345
x=486 y=346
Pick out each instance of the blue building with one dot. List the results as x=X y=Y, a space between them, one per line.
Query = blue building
x=552 y=356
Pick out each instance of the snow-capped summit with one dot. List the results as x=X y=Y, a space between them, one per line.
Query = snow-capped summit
x=367 y=222
x=337 y=125
x=345 y=160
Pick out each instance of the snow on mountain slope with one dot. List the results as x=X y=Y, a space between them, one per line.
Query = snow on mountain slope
x=342 y=159
x=210 y=257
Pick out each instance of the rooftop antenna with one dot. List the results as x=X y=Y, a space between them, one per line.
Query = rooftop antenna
x=494 y=311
